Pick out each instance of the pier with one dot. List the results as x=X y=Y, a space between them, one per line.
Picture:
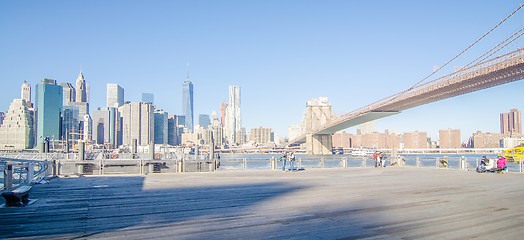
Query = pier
x=342 y=203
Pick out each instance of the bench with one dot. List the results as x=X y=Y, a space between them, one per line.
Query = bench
x=17 y=197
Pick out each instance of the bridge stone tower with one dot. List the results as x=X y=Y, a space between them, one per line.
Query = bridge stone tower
x=318 y=112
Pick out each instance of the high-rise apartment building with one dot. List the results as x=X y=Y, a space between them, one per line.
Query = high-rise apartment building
x=261 y=135
x=69 y=93
x=450 y=138
x=414 y=140
x=161 y=127
x=81 y=88
x=16 y=131
x=341 y=140
x=114 y=96
x=187 y=104
x=233 y=117
x=49 y=110
x=485 y=140
x=511 y=123
x=137 y=123
x=240 y=136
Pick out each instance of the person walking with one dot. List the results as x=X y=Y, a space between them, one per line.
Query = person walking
x=284 y=159
x=377 y=156
x=292 y=162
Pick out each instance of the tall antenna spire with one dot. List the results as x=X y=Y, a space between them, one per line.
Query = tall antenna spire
x=187 y=71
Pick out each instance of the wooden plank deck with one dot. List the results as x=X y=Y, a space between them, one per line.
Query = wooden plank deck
x=356 y=203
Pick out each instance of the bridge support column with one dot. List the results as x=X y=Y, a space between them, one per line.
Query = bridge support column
x=319 y=144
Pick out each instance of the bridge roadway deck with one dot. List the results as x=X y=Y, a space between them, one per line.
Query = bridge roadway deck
x=390 y=203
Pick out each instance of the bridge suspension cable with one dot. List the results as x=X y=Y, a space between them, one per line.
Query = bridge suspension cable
x=516 y=35
x=470 y=46
x=484 y=57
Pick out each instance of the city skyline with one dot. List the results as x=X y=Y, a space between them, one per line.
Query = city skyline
x=138 y=123
x=282 y=54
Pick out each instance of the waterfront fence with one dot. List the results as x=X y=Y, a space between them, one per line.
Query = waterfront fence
x=27 y=171
x=18 y=172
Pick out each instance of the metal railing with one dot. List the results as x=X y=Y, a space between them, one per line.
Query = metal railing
x=27 y=171
x=306 y=162
x=18 y=172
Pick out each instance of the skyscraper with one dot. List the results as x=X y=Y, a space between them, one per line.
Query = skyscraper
x=137 y=123
x=223 y=110
x=187 y=104
x=26 y=94
x=161 y=127
x=105 y=126
x=69 y=93
x=511 y=123
x=115 y=95
x=233 y=117
x=81 y=89
x=49 y=109
x=70 y=123
x=204 y=121
x=87 y=128
x=16 y=132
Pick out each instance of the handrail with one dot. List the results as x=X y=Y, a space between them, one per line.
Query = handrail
x=23 y=171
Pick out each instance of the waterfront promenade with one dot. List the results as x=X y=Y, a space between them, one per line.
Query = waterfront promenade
x=352 y=203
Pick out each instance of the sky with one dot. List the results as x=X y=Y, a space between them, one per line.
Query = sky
x=280 y=52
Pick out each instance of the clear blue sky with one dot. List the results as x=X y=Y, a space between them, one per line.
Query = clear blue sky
x=281 y=53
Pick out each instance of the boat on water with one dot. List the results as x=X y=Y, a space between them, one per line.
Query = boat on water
x=515 y=154
x=362 y=152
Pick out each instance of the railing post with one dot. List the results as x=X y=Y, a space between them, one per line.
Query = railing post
x=521 y=162
x=273 y=165
x=81 y=158
x=58 y=167
x=48 y=168
x=181 y=165
x=151 y=168
x=100 y=167
x=344 y=162
x=30 y=172
x=8 y=176
x=417 y=161
x=244 y=164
